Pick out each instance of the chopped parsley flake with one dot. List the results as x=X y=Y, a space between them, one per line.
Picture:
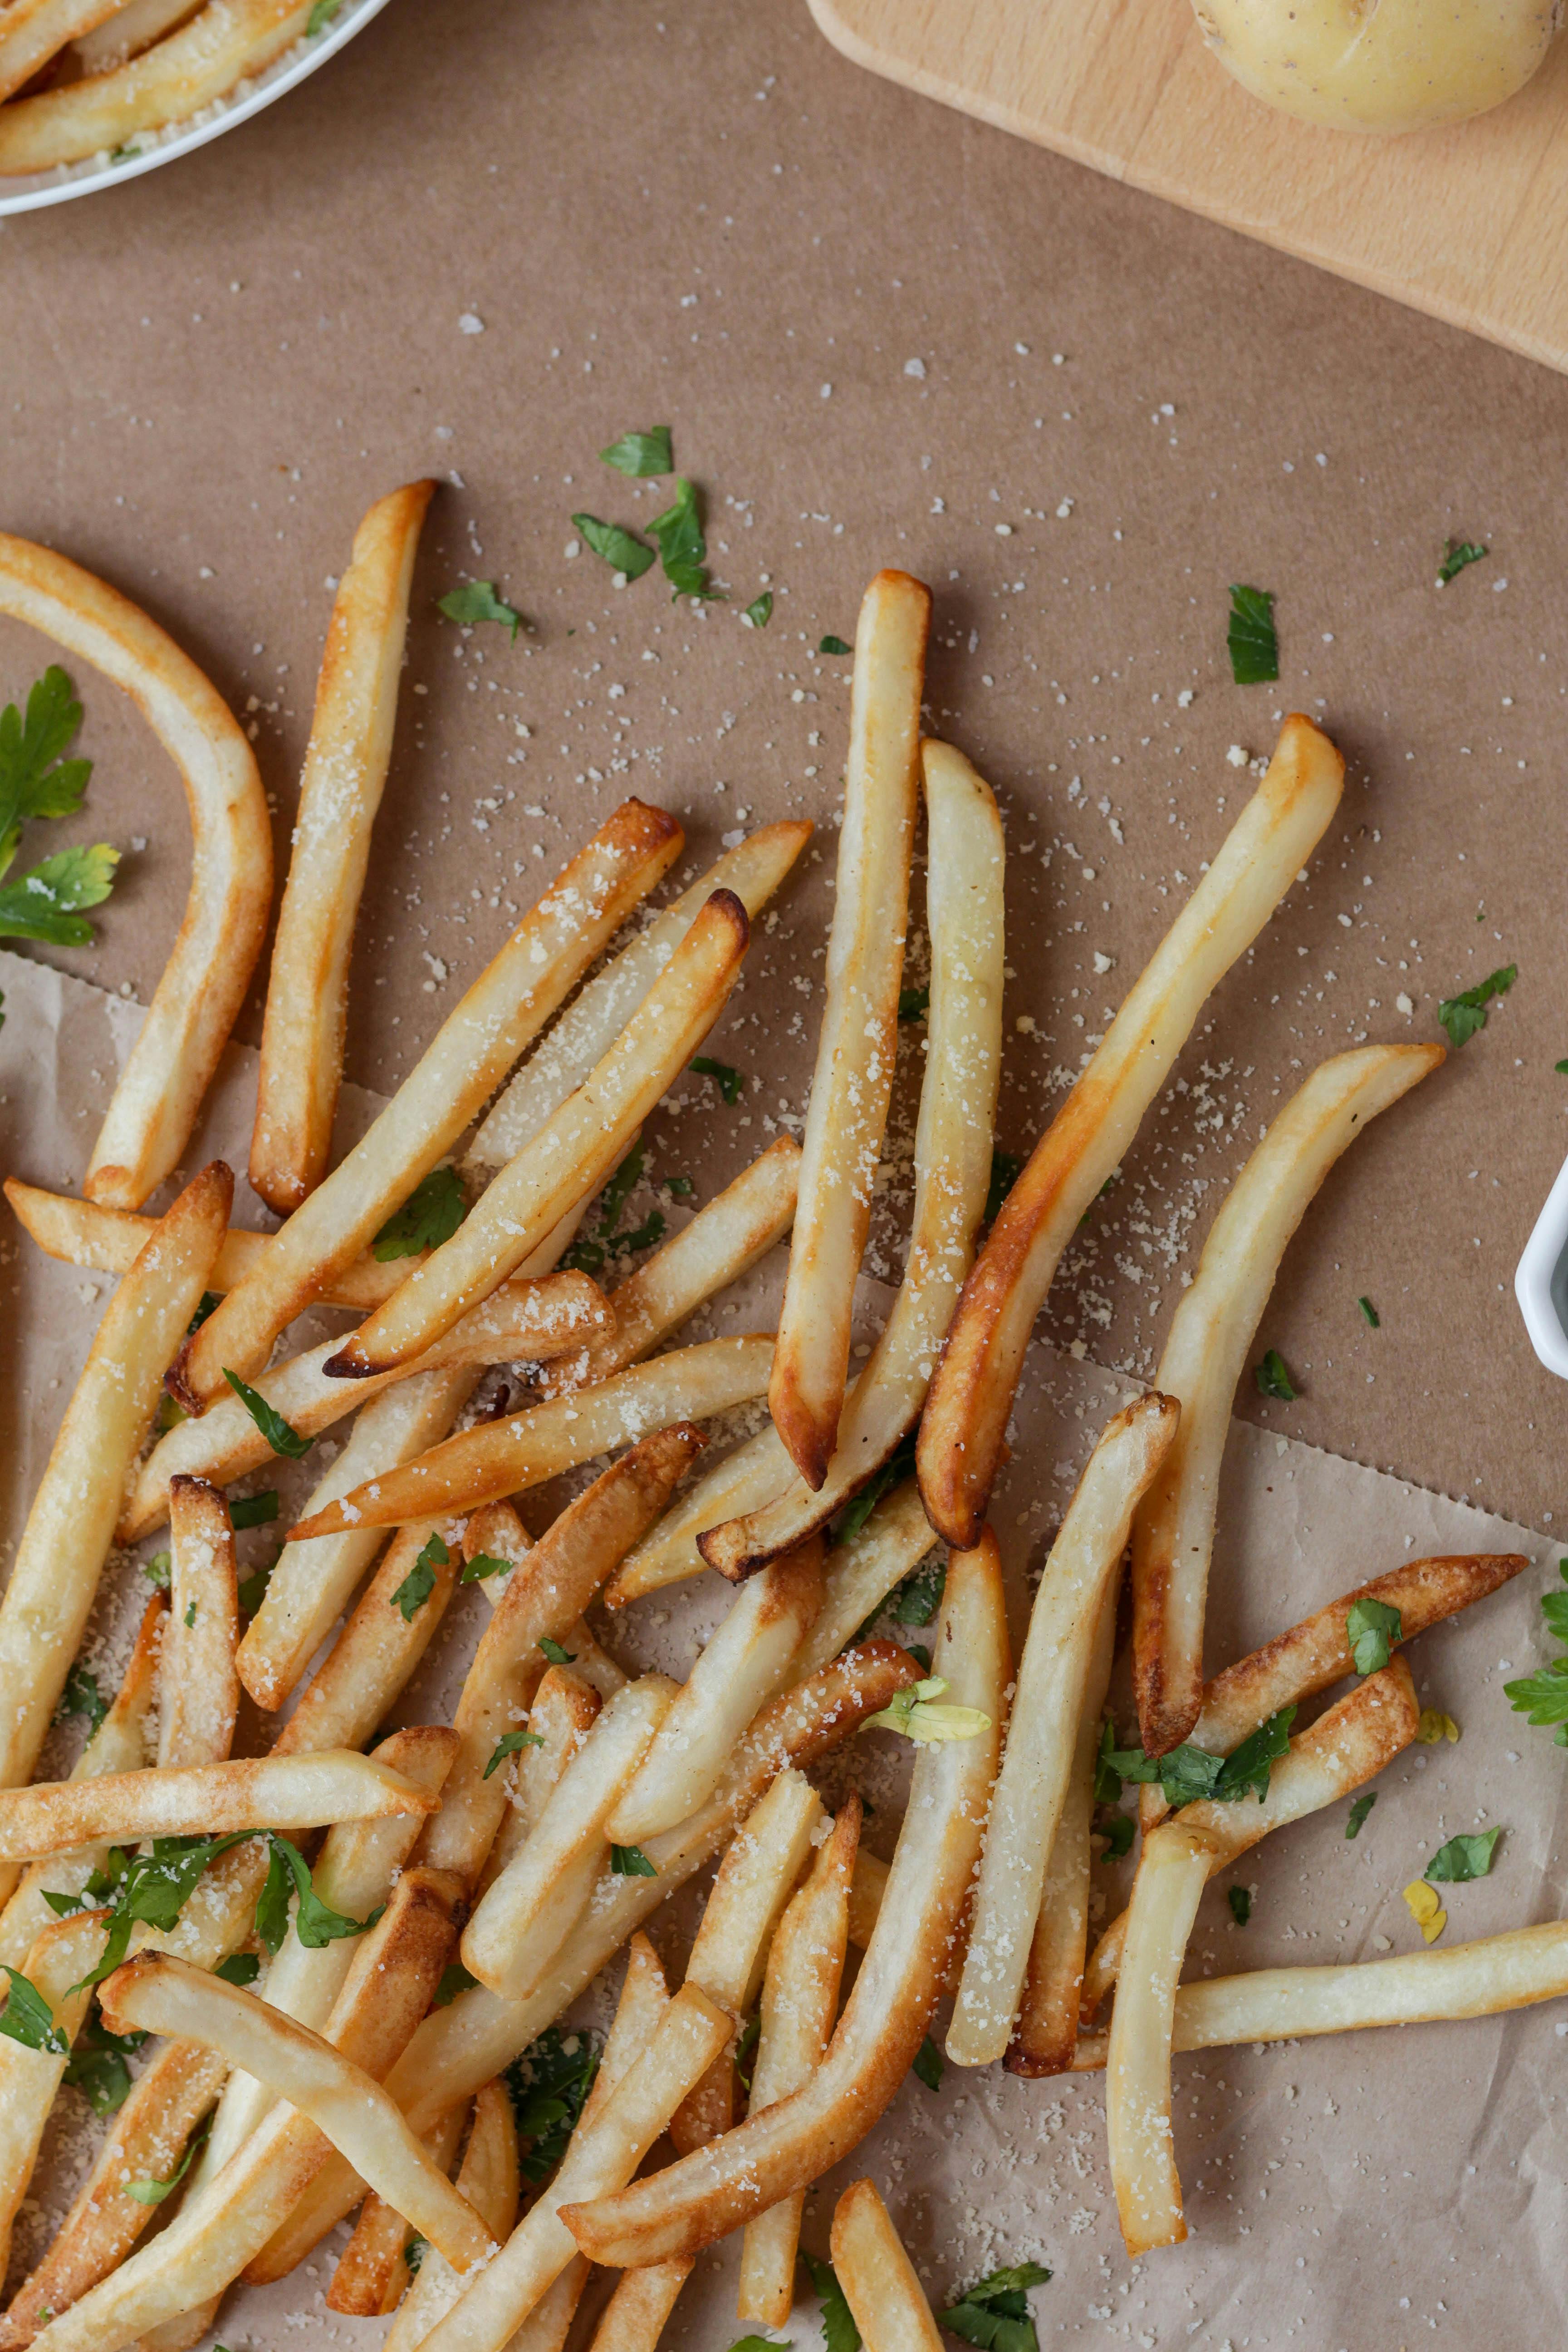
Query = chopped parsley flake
x=1254 y=645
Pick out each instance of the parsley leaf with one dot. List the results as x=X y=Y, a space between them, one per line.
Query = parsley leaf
x=929 y=2065
x=81 y=1695
x=548 y=2084
x=42 y=904
x=97 y=2067
x=630 y=1862
x=755 y=2344
x=281 y=1435
x=1006 y=1170
x=1462 y=1015
x=153 y=1887
x=35 y=780
x=508 y=1744
x=1359 y=1812
x=641 y=454
x=1118 y=1835
x=622 y=550
x=321 y=17
x=1542 y=1697
x=839 y=2331
x=1462 y=1858
x=1272 y=1379
x=1247 y=1768
x=420 y=1581
x=454 y=1979
x=994 y=2312
x=588 y=1251
x=253 y=1510
x=476 y=600
x=919 y=1597
x=914 y=1003
x=207 y=1304
x=1372 y=1629
x=1240 y=1903
x=759 y=611
x=1455 y=556
x=1254 y=647
x=1188 y=1774
x=240 y=1968
x=834 y=646
x=315 y=1923
x=859 y=1507
x=1372 y=1319
x=555 y=1652
x=28 y=2019
x=253 y=1589
x=481 y=1566
x=682 y=545
x=728 y=1079
x=152 y=2192
x=430 y=1215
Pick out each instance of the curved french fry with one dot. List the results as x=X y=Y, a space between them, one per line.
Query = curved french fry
x=34 y=31
x=1203 y=1356
x=1174 y=1870
x=877 y=2277
x=155 y=1105
x=858 y=1039
x=134 y=26
x=200 y=1689
x=971 y=1393
x=490 y=2183
x=202 y=1800
x=755 y=1474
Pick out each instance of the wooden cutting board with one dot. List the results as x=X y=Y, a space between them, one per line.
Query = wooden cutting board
x=1470 y=224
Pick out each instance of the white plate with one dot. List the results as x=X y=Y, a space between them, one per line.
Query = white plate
x=27 y=191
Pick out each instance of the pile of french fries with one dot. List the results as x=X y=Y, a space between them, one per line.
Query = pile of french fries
x=345 y=1946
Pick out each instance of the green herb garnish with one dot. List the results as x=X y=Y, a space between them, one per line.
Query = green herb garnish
x=839 y=2331
x=620 y=549
x=253 y=1510
x=282 y=1435
x=1272 y=1379
x=1254 y=645
x=641 y=454
x=759 y=611
x=81 y=1695
x=1006 y=1170
x=152 y=2192
x=430 y=1215
x=728 y=1080
x=1455 y=556
x=1372 y=1629
x=316 y=1923
x=1542 y=1697
x=682 y=547
x=630 y=1862
x=28 y=2019
x=914 y=1003
x=508 y=1744
x=38 y=780
x=481 y=1567
x=240 y=1968
x=1462 y=1015
x=1372 y=1319
x=929 y=2065
x=834 y=646
x=1240 y=1903
x=476 y=600
x=454 y=1979
x=995 y=2313
x=1358 y=1813
x=420 y=1581
x=549 y=2084
x=1462 y=1858
x=1188 y=1774
x=555 y=1652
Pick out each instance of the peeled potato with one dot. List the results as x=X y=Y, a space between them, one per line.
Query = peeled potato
x=1380 y=65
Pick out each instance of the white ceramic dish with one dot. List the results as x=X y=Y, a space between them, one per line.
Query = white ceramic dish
x=26 y=194
x=1541 y=1280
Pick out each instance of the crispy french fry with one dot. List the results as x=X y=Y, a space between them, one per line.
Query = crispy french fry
x=87 y=1233
x=753 y=870
x=765 y=1858
x=724 y=1241
x=571 y=1155
x=757 y=1472
x=155 y=1105
x=227 y=42
x=858 y=1042
x=339 y=790
x=200 y=1689
x=800 y=2001
x=495 y=1532
x=953 y=1164
x=1173 y=1872
x=702 y=2197
x=1047 y=1706
x=159 y=1994
x=750 y=1658
x=521 y=1924
x=634 y=2318
x=504 y=1457
x=489 y=2181
x=54 y=1578
x=877 y=2277
x=471 y=1052
x=1205 y=1353
x=372 y=2274
x=372 y=1658
x=564 y=1710
x=972 y=1391
x=134 y=26
x=559 y=1579
x=32 y=31
x=862 y=1571
x=525 y=1318
x=62 y=1955
x=202 y=1800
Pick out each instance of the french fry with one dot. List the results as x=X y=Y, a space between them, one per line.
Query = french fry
x=757 y=1472
x=372 y=1658
x=495 y=1532
x=689 y=2037
x=34 y=31
x=524 y=1319
x=634 y=2318
x=753 y=1883
x=159 y=1994
x=202 y=1800
x=199 y=1687
x=953 y=1165
x=521 y=1924
x=345 y=768
x=225 y=43
x=506 y=1007
x=702 y=2197
x=966 y=1412
x=197 y=1001
x=857 y=1044
x=564 y=1710
x=863 y=1570
x=753 y=870
x=724 y=1241
x=749 y=1659
x=489 y=2181
x=524 y=1449
x=1205 y=1353
x=1047 y=1708
x=62 y=1955
x=88 y=1233
x=800 y=2001
x=877 y=2277
x=572 y=1154
x=866 y=1889
x=1172 y=1871
x=372 y=2274
x=135 y=24
x=54 y=1578
x=560 y=1578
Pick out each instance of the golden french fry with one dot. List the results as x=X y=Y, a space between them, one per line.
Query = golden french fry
x=495 y=1532
x=135 y=24
x=372 y=1658
x=372 y=2273
x=87 y=1233
x=634 y=2318
x=757 y=1472
x=339 y=790
x=971 y=1394
x=800 y=2001
x=66 y=1952
x=1205 y=1353
x=1172 y=1871
x=1043 y=1730
x=32 y=31
x=489 y=2181
x=506 y=1007
x=525 y=1318
x=953 y=1164
x=521 y=1924
x=866 y=1889
x=702 y=2197
x=200 y=1689
x=278 y=1792
x=563 y=1711
x=749 y=1659
x=54 y=1578
x=877 y=2277
x=571 y=1155
x=753 y=870
x=155 y=1105
x=857 y=1044
x=504 y=1457
x=863 y=1570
